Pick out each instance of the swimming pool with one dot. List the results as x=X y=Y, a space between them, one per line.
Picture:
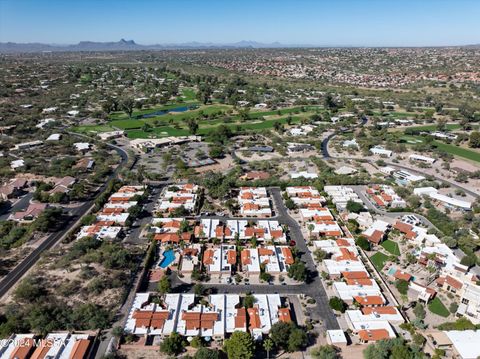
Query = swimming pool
x=168 y=258
x=392 y=271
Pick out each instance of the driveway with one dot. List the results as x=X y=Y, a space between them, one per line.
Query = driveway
x=19 y=205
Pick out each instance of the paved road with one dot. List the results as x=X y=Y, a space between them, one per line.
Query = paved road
x=20 y=205
x=136 y=229
x=359 y=190
x=17 y=273
x=75 y=214
x=324 y=146
x=465 y=189
x=327 y=155
x=314 y=288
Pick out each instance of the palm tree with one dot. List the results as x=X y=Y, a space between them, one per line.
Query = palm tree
x=311 y=227
x=268 y=345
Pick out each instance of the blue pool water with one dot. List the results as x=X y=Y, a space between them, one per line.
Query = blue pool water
x=164 y=112
x=392 y=271
x=168 y=258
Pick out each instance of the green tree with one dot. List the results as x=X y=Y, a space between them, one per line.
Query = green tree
x=474 y=140
x=297 y=340
x=127 y=105
x=401 y=352
x=192 y=126
x=29 y=290
x=240 y=346
x=298 y=271
x=453 y=307
x=354 y=207
x=402 y=286
x=266 y=277
x=196 y=342
x=48 y=220
x=164 y=285
x=173 y=344
x=325 y=352
x=249 y=301
x=117 y=332
x=419 y=311
x=337 y=304
x=206 y=353
x=215 y=151
x=363 y=243
x=198 y=289
x=469 y=260
x=319 y=255
x=329 y=102
x=280 y=332
x=460 y=324
x=290 y=204
x=441 y=124
x=88 y=219
x=268 y=346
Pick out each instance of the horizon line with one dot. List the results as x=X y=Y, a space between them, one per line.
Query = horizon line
x=220 y=44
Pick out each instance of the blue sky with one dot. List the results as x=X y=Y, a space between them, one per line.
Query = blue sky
x=317 y=22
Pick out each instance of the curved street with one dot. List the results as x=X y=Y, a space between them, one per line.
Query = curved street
x=76 y=214
x=327 y=155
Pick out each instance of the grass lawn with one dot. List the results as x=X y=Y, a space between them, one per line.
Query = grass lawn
x=93 y=128
x=396 y=114
x=378 y=260
x=158 y=132
x=412 y=139
x=436 y=306
x=433 y=127
x=189 y=94
x=204 y=129
x=458 y=151
x=452 y=149
x=127 y=124
x=182 y=116
x=391 y=247
x=121 y=115
x=163 y=125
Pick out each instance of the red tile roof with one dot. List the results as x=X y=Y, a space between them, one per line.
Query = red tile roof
x=376 y=237
x=254 y=318
x=287 y=253
x=284 y=315
x=355 y=275
x=80 y=349
x=379 y=310
x=208 y=257
x=373 y=334
x=369 y=300
x=402 y=275
x=241 y=318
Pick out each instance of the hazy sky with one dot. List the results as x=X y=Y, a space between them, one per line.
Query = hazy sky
x=317 y=22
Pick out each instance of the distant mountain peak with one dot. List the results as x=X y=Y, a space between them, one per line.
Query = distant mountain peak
x=129 y=42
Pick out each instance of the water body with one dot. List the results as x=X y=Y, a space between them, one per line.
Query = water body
x=164 y=112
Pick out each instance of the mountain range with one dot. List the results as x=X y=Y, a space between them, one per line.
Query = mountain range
x=131 y=45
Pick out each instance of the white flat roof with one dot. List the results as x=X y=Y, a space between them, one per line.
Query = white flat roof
x=465 y=342
x=337 y=336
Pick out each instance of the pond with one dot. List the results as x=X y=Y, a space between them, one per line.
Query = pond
x=164 y=112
